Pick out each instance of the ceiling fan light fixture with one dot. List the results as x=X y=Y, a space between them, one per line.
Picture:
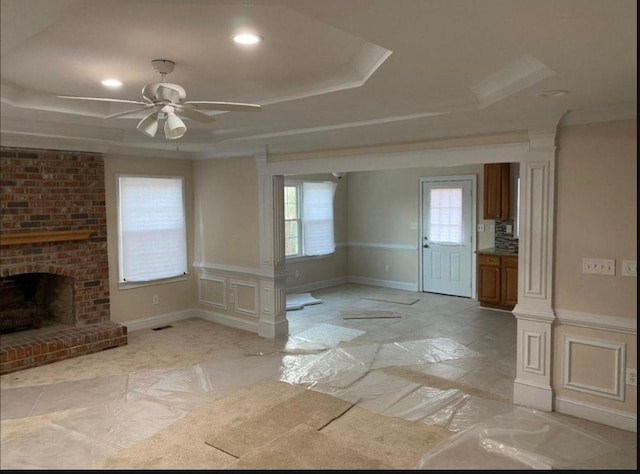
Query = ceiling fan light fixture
x=112 y=83
x=149 y=125
x=247 y=38
x=174 y=128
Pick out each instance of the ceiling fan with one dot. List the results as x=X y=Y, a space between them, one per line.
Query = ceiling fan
x=168 y=101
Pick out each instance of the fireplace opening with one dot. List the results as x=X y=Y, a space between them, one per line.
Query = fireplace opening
x=35 y=300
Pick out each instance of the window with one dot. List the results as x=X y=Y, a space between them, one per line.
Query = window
x=152 y=241
x=309 y=218
x=516 y=234
x=292 y=222
x=446 y=215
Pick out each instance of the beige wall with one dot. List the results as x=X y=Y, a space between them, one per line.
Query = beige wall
x=226 y=205
x=137 y=303
x=596 y=217
x=382 y=205
x=313 y=270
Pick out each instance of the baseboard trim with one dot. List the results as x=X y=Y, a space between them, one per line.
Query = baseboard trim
x=602 y=415
x=317 y=285
x=159 y=320
x=398 y=285
x=168 y=318
x=226 y=320
x=532 y=396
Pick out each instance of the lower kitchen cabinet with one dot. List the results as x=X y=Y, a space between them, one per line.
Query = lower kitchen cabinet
x=497 y=281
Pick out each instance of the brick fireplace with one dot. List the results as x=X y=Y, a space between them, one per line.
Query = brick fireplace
x=54 y=275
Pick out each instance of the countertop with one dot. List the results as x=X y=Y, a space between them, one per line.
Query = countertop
x=494 y=251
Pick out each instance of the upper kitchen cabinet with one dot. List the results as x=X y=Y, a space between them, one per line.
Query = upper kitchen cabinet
x=496 y=190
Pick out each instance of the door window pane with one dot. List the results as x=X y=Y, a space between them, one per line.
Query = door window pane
x=446 y=215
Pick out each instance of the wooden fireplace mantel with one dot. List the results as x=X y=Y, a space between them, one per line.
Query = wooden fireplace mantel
x=45 y=237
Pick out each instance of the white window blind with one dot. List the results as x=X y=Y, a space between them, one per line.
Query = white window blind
x=446 y=215
x=151 y=232
x=317 y=218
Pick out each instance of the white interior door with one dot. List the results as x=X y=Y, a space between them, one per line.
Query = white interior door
x=447 y=237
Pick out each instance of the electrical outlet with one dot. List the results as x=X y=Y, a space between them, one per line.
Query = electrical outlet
x=632 y=377
x=630 y=268
x=156 y=299
x=413 y=225
x=296 y=274
x=387 y=268
x=599 y=266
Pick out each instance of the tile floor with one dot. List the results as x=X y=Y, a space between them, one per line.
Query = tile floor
x=93 y=406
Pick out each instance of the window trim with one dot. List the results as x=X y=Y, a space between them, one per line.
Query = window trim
x=126 y=285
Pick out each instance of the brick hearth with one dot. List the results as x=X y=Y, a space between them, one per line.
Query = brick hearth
x=33 y=348
x=54 y=222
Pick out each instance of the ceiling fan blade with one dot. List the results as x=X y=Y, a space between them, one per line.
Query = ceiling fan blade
x=229 y=106
x=127 y=112
x=193 y=114
x=122 y=101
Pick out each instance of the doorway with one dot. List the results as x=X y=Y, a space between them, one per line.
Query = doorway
x=447 y=215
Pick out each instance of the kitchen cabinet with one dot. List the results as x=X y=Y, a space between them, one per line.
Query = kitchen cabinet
x=497 y=281
x=496 y=194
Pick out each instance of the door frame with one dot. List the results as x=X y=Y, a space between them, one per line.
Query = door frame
x=474 y=238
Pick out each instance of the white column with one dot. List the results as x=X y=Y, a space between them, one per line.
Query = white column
x=273 y=315
x=534 y=311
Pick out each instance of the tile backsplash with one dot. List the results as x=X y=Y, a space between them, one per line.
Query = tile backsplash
x=503 y=240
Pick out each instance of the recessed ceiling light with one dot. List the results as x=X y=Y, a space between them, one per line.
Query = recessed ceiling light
x=552 y=93
x=247 y=38
x=112 y=83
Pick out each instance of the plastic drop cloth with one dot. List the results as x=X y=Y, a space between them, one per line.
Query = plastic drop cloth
x=54 y=447
x=44 y=399
x=339 y=367
x=520 y=439
x=321 y=337
x=122 y=424
x=187 y=387
x=425 y=351
x=345 y=375
x=463 y=416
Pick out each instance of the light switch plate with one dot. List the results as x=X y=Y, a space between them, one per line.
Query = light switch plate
x=599 y=266
x=630 y=268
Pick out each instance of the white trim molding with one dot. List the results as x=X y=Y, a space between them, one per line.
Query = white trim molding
x=160 y=320
x=398 y=285
x=383 y=246
x=238 y=308
x=217 y=304
x=597 y=321
x=606 y=416
x=534 y=311
x=616 y=391
x=221 y=267
x=226 y=320
x=267 y=316
x=317 y=285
